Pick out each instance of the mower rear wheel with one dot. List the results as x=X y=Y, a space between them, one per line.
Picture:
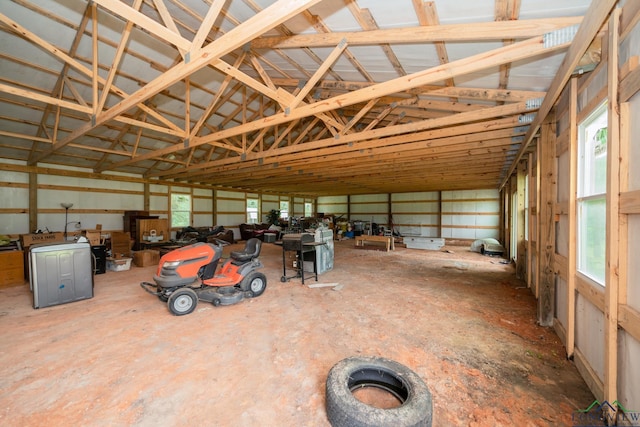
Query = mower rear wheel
x=183 y=301
x=255 y=282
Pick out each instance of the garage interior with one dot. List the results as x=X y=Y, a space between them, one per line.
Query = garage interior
x=444 y=121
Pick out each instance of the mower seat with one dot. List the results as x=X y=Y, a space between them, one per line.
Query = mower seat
x=251 y=250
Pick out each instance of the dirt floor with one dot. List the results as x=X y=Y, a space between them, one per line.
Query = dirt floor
x=460 y=320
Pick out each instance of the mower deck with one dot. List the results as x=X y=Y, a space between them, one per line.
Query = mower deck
x=217 y=295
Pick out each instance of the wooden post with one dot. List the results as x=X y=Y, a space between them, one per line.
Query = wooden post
x=613 y=212
x=147 y=197
x=389 y=211
x=572 y=220
x=439 y=213
x=546 y=221
x=506 y=217
x=33 y=202
x=530 y=221
x=214 y=208
x=521 y=250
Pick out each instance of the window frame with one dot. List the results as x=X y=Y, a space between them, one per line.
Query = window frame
x=588 y=193
x=248 y=218
x=174 y=211
x=284 y=213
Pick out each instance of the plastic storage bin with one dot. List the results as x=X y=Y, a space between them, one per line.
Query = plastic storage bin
x=60 y=273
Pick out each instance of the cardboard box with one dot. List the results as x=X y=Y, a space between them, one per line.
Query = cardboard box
x=146 y=258
x=94 y=237
x=32 y=239
x=120 y=244
x=118 y=264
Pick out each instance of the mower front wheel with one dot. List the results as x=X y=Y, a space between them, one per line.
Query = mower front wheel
x=183 y=301
x=255 y=282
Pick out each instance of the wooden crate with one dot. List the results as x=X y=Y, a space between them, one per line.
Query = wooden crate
x=11 y=268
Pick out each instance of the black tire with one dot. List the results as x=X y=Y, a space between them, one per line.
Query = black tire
x=183 y=301
x=283 y=279
x=255 y=282
x=343 y=409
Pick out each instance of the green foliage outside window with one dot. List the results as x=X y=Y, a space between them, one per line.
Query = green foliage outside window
x=592 y=193
x=180 y=210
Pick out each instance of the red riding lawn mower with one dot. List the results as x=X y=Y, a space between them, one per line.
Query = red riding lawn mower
x=188 y=274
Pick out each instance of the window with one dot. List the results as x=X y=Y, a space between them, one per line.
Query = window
x=308 y=210
x=592 y=189
x=253 y=206
x=180 y=210
x=284 y=210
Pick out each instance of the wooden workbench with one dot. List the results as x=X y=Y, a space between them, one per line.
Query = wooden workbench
x=388 y=240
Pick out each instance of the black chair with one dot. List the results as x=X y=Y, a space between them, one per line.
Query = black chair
x=251 y=250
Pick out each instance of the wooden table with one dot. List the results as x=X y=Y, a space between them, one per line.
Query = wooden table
x=388 y=240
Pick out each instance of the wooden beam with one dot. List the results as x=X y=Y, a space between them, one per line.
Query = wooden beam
x=24 y=136
x=155 y=28
x=116 y=60
x=45 y=99
x=367 y=22
x=33 y=201
x=521 y=50
x=546 y=223
x=630 y=85
x=279 y=95
x=333 y=57
x=531 y=221
x=521 y=29
x=572 y=218
x=629 y=319
x=166 y=17
x=95 y=100
x=506 y=10
x=428 y=15
x=248 y=30
x=594 y=19
x=73 y=64
x=438 y=142
x=612 y=245
x=261 y=72
x=431 y=90
x=207 y=23
x=123 y=119
x=358 y=116
x=321 y=27
x=457 y=119
x=223 y=87
x=630 y=16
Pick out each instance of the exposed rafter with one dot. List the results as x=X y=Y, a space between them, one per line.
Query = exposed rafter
x=341 y=94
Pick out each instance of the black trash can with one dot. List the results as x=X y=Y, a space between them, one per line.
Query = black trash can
x=99 y=253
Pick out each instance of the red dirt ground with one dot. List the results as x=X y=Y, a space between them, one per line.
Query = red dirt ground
x=460 y=320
